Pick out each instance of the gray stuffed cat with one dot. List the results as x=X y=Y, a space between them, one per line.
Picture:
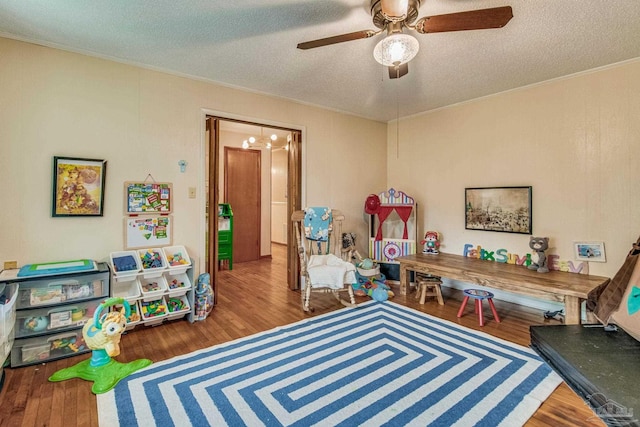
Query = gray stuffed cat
x=539 y=244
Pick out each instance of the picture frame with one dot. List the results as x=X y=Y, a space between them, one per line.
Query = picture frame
x=589 y=251
x=78 y=186
x=501 y=209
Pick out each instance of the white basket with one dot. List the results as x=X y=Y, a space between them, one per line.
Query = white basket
x=153 y=312
x=129 y=273
x=160 y=263
x=152 y=288
x=135 y=308
x=8 y=313
x=177 y=258
x=178 y=284
x=176 y=312
x=129 y=290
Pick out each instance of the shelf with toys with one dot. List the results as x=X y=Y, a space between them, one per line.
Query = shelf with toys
x=157 y=283
x=50 y=310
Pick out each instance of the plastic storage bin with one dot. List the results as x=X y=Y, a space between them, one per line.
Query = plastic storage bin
x=134 y=318
x=53 y=319
x=8 y=313
x=47 y=348
x=125 y=263
x=153 y=312
x=152 y=288
x=178 y=284
x=178 y=260
x=152 y=261
x=5 y=348
x=129 y=290
x=177 y=307
x=55 y=290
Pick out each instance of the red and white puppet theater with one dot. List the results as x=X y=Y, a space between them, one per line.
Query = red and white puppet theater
x=392 y=229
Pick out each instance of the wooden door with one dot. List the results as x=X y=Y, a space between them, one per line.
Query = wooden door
x=294 y=190
x=242 y=191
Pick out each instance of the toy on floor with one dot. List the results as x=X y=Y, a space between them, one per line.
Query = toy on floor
x=204 y=297
x=431 y=242
x=102 y=335
x=539 y=244
x=373 y=286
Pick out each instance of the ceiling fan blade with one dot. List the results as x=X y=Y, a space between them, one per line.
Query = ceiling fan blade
x=337 y=39
x=395 y=72
x=394 y=8
x=495 y=17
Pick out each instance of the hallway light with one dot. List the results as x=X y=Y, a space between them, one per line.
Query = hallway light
x=259 y=143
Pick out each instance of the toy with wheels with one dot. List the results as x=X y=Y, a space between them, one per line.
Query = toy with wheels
x=102 y=335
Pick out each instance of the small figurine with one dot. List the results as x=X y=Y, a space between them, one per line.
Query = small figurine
x=431 y=242
x=539 y=244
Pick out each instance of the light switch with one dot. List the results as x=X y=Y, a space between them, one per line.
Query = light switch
x=192 y=192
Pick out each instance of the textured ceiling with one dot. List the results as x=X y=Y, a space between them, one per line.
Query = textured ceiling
x=252 y=44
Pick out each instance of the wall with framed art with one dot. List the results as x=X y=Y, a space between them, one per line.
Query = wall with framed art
x=503 y=209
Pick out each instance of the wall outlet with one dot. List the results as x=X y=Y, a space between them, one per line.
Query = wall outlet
x=192 y=192
x=8 y=265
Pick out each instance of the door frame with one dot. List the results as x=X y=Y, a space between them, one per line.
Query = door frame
x=296 y=185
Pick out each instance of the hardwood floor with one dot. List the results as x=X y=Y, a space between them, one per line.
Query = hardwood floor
x=253 y=297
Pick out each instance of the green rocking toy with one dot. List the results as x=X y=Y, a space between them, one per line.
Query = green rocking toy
x=102 y=335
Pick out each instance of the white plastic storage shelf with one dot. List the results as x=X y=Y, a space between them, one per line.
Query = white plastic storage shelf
x=8 y=297
x=153 y=278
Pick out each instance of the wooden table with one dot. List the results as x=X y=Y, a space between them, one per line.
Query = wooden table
x=568 y=288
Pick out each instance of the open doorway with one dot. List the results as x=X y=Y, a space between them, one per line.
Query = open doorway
x=275 y=153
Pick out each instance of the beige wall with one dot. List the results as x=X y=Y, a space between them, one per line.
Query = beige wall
x=143 y=122
x=575 y=140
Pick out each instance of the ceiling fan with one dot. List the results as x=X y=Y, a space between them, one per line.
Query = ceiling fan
x=398 y=48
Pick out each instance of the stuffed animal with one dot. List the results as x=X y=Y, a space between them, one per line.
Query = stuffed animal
x=373 y=286
x=349 y=251
x=539 y=244
x=431 y=242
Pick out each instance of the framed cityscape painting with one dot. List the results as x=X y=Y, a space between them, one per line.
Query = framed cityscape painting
x=503 y=209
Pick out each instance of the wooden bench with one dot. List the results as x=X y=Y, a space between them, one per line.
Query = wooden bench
x=568 y=288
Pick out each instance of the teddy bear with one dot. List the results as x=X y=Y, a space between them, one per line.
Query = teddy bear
x=539 y=244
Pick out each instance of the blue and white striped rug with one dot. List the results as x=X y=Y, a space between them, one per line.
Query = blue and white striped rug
x=377 y=364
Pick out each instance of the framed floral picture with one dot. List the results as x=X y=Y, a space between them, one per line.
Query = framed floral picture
x=78 y=186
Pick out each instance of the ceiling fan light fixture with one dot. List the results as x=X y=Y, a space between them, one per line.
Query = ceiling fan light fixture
x=396 y=49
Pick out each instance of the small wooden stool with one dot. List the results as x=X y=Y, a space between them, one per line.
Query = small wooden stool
x=478 y=295
x=428 y=286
